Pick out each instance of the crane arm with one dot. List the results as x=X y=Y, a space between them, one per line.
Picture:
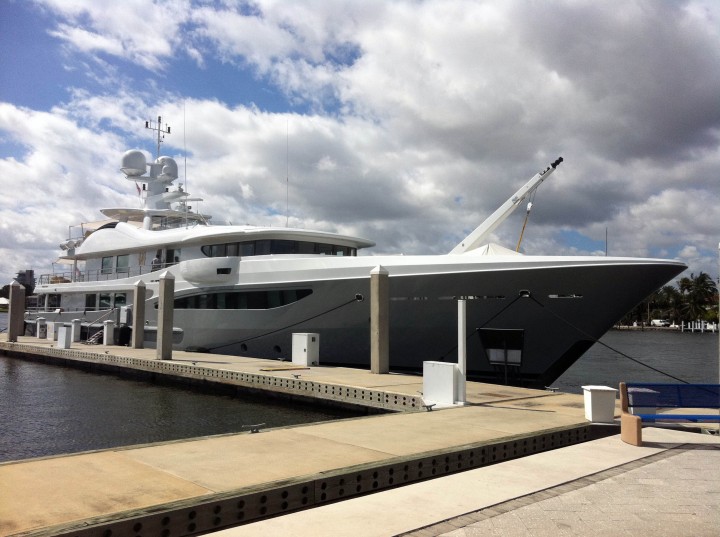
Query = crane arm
x=480 y=234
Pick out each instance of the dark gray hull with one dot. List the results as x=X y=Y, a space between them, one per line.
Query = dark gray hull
x=568 y=308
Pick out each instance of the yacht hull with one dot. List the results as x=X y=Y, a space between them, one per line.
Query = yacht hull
x=550 y=309
x=559 y=313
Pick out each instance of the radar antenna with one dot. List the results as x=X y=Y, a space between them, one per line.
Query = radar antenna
x=161 y=132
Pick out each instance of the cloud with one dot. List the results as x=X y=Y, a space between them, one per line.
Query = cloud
x=139 y=31
x=405 y=122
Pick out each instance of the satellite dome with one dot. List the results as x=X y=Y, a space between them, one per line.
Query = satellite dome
x=169 y=167
x=133 y=163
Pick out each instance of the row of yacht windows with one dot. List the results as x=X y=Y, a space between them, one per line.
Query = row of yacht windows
x=104 y=301
x=227 y=300
x=121 y=264
x=242 y=300
x=275 y=246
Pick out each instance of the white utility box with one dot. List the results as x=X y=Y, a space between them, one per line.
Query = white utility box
x=53 y=329
x=306 y=349
x=41 y=328
x=64 y=336
x=439 y=383
x=599 y=403
x=76 y=328
x=125 y=315
x=108 y=332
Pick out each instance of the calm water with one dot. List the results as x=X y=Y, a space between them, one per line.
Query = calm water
x=690 y=357
x=48 y=410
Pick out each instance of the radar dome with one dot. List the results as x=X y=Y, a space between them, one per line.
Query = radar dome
x=169 y=167
x=134 y=163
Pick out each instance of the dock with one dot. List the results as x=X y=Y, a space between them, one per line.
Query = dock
x=245 y=480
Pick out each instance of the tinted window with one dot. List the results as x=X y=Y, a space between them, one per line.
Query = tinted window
x=247 y=248
x=262 y=247
x=251 y=300
x=123 y=263
x=283 y=247
x=219 y=250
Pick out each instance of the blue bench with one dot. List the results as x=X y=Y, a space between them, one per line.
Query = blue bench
x=651 y=401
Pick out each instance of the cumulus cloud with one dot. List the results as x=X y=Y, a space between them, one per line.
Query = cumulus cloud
x=404 y=122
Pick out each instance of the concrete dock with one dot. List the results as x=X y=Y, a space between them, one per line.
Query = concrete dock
x=667 y=488
x=203 y=485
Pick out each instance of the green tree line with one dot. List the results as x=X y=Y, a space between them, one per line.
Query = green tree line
x=5 y=290
x=695 y=298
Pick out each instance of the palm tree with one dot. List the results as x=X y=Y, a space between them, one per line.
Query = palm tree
x=698 y=294
x=668 y=302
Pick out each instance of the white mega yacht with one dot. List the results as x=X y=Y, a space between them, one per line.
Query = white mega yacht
x=245 y=290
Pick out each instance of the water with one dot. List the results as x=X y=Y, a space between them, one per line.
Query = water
x=689 y=357
x=49 y=410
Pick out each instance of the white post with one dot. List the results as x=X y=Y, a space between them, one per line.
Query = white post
x=76 y=325
x=379 y=320
x=462 y=350
x=138 y=327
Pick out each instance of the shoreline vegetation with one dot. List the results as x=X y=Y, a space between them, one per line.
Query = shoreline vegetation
x=710 y=328
x=694 y=299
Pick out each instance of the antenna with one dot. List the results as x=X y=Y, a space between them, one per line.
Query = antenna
x=187 y=207
x=185 y=148
x=287 y=173
x=161 y=132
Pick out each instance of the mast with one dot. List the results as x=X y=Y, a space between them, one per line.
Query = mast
x=161 y=132
x=480 y=234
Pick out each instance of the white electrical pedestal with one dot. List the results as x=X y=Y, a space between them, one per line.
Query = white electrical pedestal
x=440 y=383
x=599 y=403
x=306 y=349
x=64 y=336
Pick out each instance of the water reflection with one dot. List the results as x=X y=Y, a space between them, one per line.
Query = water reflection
x=48 y=410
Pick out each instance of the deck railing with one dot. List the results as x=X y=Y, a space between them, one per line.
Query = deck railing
x=97 y=275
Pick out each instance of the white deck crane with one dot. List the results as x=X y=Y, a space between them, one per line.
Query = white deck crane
x=480 y=234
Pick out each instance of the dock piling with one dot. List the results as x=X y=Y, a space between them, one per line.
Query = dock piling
x=138 y=320
x=166 y=304
x=16 y=321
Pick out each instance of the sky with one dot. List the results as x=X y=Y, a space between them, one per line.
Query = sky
x=404 y=122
